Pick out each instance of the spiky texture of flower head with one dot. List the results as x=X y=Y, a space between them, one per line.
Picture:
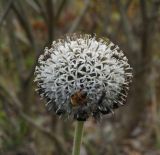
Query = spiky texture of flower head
x=82 y=76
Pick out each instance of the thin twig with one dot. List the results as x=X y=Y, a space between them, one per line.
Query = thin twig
x=17 y=55
x=31 y=73
x=42 y=9
x=50 y=20
x=22 y=18
x=33 y=5
x=10 y=2
x=17 y=107
x=51 y=25
x=112 y=35
x=145 y=31
x=78 y=20
x=60 y=8
x=126 y=27
x=59 y=142
x=128 y=3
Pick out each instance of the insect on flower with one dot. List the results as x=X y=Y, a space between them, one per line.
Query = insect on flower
x=79 y=98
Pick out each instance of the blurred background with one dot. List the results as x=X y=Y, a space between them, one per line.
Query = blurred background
x=26 y=27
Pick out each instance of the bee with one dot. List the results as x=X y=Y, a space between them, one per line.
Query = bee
x=79 y=98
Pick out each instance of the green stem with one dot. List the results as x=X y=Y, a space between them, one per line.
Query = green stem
x=78 y=138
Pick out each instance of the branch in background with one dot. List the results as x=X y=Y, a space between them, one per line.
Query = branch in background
x=127 y=27
x=33 y=5
x=42 y=9
x=148 y=29
x=107 y=19
x=31 y=73
x=59 y=11
x=151 y=31
x=22 y=18
x=50 y=20
x=144 y=39
x=155 y=10
x=49 y=15
x=148 y=66
x=8 y=94
x=9 y=4
x=7 y=111
x=79 y=18
x=16 y=105
x=17 y=55
x=51 y=24
x=128 y=3
x=56 y=139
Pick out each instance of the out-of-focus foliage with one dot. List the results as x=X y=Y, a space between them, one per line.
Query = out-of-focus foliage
x=27 y=26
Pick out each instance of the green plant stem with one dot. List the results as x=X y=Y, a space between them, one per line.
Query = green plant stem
x=78 y=138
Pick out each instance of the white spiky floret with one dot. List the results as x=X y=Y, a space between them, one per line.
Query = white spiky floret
x=81 y=62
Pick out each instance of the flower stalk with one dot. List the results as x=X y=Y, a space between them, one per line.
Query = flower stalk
x=78 y=137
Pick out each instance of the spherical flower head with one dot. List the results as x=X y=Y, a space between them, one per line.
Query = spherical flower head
x=82 y=76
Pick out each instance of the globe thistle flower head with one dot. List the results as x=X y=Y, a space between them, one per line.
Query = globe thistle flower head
x=82 y=76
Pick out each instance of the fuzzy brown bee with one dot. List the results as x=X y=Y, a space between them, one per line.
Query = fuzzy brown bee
x=79 y=98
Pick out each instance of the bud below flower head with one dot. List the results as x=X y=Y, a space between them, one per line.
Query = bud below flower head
x=82 y=76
